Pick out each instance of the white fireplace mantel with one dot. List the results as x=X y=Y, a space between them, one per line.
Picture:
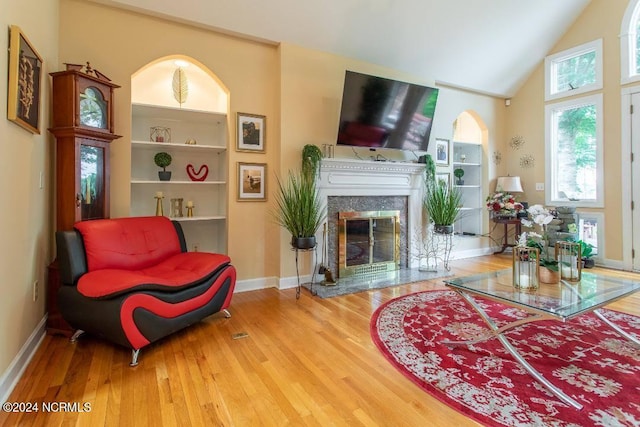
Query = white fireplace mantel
x=347 y=177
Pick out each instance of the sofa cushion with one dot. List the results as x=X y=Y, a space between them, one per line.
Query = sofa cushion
x=178 y=271
x=128 y=243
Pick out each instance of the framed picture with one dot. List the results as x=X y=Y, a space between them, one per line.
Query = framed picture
x=442 y=151
x=251 y=132
x=444 y=177
x=252 y=181
x=25 y=67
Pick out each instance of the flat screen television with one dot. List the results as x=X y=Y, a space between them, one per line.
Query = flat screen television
x=384 y=113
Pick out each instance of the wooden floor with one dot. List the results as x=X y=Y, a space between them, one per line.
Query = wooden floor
x=305 y=362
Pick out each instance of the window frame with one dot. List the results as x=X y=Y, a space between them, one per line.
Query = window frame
x=550 y=150
x=550 y=66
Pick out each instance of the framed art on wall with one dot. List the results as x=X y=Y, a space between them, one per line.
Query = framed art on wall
x=442 y=151
x=252 y=181
x=251 y=132
x=25 y=67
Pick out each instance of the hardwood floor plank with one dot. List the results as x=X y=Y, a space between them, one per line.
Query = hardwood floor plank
x=304 y=362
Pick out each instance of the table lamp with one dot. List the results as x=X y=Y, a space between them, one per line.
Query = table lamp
x=509 y=184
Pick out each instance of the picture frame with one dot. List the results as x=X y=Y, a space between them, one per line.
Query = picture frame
x=25 y=76
x=444 y=177
x=442 y=151
x=251 y=132
x=252 y=181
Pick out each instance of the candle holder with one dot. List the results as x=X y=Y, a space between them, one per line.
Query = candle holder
x=159 y=211
x=569 y=257
x=526 y=268
x=176 y=208
x=190 y=211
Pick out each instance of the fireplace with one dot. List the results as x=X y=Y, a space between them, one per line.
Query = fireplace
x=368 y=242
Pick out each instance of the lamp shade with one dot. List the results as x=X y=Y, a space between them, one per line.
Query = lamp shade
x=509 y=184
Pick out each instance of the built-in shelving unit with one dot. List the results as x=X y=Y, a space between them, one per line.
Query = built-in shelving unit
x=206 y=230
x=468 y=157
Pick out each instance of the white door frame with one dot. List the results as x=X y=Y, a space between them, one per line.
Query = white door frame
x=625 y=163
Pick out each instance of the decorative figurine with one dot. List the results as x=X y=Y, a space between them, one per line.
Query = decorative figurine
x=159 y=197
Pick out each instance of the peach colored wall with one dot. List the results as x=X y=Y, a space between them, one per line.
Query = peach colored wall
x=601 y=19
x=119 y=43
x=26 y=219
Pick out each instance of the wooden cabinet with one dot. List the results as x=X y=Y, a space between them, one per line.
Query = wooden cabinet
x=468 y=158
x=197 y=142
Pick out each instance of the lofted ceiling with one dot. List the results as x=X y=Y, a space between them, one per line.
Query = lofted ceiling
x=488 y=46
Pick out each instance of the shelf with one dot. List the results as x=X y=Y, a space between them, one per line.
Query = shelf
x=466 y=164
x=174 y=114
x=177 y=146
x=141 y=181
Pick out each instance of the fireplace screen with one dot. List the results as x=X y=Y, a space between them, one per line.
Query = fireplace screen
x=369 y=242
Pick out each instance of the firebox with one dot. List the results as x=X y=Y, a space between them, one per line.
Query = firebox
x=368 y=242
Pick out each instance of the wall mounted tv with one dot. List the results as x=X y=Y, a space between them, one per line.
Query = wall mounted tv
x=383 y=113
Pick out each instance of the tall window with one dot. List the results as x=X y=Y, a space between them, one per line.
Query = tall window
x=574 y=152
x=574 y=71
x=630 y=43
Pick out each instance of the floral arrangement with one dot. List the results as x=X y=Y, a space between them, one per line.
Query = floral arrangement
x=538 y=215
x=502 y=203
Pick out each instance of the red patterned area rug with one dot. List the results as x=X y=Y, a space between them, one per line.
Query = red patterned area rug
x=583 y=357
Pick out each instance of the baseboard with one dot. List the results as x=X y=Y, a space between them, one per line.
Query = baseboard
x=256 y=284
x=14 y=372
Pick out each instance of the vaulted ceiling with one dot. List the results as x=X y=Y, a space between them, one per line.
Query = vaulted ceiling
x=488 y=46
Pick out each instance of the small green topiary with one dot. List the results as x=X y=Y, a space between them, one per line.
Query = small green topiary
x=162 y=159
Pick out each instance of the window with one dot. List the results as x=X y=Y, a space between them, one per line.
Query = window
x=574 y=71
x=630 y=43
x=574 y=152
x=590 y=226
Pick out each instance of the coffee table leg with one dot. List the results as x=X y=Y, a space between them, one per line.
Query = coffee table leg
x=498 y=332
x=616 y=328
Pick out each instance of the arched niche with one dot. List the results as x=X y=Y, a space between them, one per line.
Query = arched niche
x=469 y=127
x=153 y=85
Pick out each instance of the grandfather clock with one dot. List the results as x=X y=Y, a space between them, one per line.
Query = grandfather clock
x=83 y=127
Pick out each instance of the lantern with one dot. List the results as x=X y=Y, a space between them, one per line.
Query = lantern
x=569 y=257
x=526 y=264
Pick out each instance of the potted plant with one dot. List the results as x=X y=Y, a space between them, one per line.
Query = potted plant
x=311 y=157
x=586 y=251
x=459 y=173
x=299 y=209
x=443 y=204
x=162 y=160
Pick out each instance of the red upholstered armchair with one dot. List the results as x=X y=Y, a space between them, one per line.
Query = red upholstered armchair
x=132 y=282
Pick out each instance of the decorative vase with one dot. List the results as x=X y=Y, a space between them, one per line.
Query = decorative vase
x=549 y=276
x=303 y=242
x=443 y=229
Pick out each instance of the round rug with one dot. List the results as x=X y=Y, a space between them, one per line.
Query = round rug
x=583 y=357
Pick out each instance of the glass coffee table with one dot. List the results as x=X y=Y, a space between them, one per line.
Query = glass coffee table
x=561 y=301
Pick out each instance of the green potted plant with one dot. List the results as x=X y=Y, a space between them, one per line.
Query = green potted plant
x=299 y=209
x=443 y=204
x=311 y=157
x=586 y=251
x=459 y=173
x=162 y=160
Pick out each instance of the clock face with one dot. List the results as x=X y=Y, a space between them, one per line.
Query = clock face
x=93 y=109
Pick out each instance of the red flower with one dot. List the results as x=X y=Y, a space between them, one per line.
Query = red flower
x=496 y=206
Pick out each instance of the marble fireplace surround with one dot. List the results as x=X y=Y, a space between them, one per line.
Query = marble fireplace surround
x=357 y=185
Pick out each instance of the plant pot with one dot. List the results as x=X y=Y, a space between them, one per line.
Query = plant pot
x=443 y=229
x=303 y=242
x=549 y=276
x=588 y=263
x=460 y=182
x=164 y=175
